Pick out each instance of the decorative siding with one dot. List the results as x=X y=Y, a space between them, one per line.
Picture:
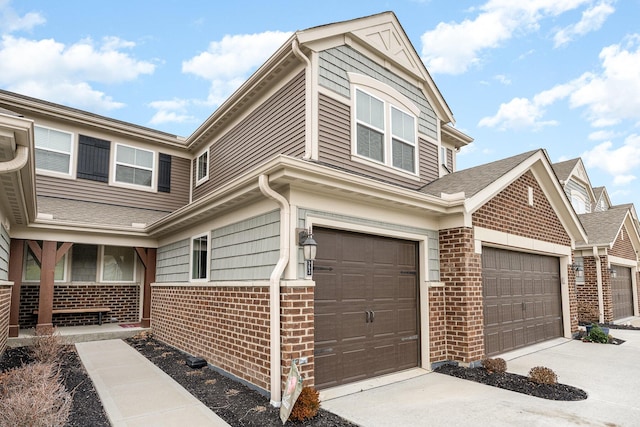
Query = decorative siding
x=5 y=241
x=334 y=149
x=247 y=250
x=432 y=237
x=172 y=262
x=572 y=185
x=336 y=62
x=275 y=127
x=101 y=192
x=622 y=247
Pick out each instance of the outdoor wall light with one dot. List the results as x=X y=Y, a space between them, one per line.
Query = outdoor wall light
x=578 y=269
x=309 y=245
x=613 y=272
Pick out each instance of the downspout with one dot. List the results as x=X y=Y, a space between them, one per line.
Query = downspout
x=18 y=162
x=599 y=281
x=310 y=104
x=274 y=288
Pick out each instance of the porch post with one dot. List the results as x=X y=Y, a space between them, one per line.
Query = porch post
x=47 y=279
x=148 y=259
x=16 y=261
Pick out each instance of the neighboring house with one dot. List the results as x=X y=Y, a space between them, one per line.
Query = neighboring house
x=342 y=132
x=606 y=264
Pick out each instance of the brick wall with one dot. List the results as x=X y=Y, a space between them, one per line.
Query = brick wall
x=437 y=325
x=297 y=326
x=607 y=296
x=588 y=293
x=461 y=271
x=227 y=326
x=509 y=212
x=5 y=304
x=123 y=299
x=622 y=247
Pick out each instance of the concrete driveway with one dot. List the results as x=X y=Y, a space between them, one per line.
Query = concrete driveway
x=610 y=374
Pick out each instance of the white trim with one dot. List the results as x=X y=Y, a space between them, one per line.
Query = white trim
x=506 y=240
x=71 y=153
x=205 y=178
x=623 y=262
x=153 y=169
x=206 y=277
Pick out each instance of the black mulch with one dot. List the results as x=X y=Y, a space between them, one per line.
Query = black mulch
x=514 y=382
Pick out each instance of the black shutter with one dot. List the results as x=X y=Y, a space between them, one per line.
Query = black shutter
x=93 y=158
x=164 y=173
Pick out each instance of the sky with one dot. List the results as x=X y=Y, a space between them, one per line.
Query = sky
x=563 y=75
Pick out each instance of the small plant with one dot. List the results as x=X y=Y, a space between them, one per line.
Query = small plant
x=543 y=375
x=307 y=405
x=496 y=365
x=48 y=345
x=598 y=335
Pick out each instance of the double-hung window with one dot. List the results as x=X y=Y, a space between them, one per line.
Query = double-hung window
x=134 y=166
x=199 y=257
x=385 y=133
x=54 y=149
x=202 y=167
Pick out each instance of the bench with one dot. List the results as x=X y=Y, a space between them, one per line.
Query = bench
x=98 y=310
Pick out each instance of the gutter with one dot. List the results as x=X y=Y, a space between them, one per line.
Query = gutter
x=309 y=99
x=274 y=288
x=18 y=162
x=599 y=281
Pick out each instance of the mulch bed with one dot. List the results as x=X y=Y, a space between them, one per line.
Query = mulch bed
x=514 y=382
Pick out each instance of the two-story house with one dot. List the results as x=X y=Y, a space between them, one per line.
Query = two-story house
x=606 y=263
x=341 y=133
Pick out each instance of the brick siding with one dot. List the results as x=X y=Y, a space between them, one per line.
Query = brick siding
x=297 y=330
x=437 y=325
x=623 y=248
x=5 y=304
x=123 y=299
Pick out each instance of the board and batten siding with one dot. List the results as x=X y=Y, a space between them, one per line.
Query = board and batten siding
x=5 y=242
x=432 y=237
x=172 y=262
x=334 y=147
x=102 y=192
x=335 y=63
x=246 y=250
x=273 y=128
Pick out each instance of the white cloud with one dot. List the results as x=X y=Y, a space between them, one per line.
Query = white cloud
x=592 y=20
x=452 y=48
x=11 y=22
x=503 y=79
x=517 y=114
x=171 y=111
x=601 y=135
x=618 y=162
x=49 y=69
x=227 y=63
x=623 y=179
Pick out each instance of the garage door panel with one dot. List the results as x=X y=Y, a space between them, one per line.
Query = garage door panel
x=407 y=289
x=622 y=292
x=325 y=328
x=385 y=286
x=326 y=369
x=407 y=321
x=529 y=309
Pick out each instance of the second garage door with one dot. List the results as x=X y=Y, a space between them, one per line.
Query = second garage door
x=622 y=293
x=366 y=307
x=522 y=299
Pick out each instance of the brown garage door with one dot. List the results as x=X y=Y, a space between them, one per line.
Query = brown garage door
x=522 y=299
x=622 y=291
x=366 y=307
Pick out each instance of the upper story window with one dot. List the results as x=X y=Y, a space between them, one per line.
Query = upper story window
x=134 y=166
x=578 y=202
x=202 y=167
x=199 y=257
x=385 y=133
x=54 y=149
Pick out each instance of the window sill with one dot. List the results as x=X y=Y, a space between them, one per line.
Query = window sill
x=405 y=174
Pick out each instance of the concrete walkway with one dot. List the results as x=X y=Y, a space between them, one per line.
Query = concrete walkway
x=135 y=392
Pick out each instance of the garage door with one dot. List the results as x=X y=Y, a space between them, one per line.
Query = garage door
x=366 y=307
x=522 y=299
x=622 y=291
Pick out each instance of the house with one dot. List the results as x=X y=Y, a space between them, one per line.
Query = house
x=606 y=264
x=343 y=134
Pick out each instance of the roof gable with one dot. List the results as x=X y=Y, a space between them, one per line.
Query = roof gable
x=604 y=227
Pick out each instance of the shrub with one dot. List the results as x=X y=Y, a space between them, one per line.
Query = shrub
x=33 y=395
x=497 y=365
x=47 y=346
x=598 y=335
x=307 y=405
x=543 y=375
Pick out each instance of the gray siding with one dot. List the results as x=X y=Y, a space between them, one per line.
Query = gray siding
x=4 y=253
x=172 y=262
x=247 y=250
x=334 y=140
x=275 y=127
x=571 y=185
x=102 y=192
x=432 y=237
x=336 y=62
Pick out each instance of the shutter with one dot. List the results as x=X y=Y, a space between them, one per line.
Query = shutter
x=164 y=173
x=450 y=159
x=93 y=158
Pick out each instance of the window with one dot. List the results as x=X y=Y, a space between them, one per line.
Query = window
x=134 y=166
x=53 y=150
x=118 y=264
x=199 y=250
x=578 y=202
x=32 y=268
x=202 y=167
x=385 y=133
x=84 y=263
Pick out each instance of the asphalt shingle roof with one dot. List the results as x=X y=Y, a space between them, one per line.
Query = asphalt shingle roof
x=563 y=169
x=602 y=227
